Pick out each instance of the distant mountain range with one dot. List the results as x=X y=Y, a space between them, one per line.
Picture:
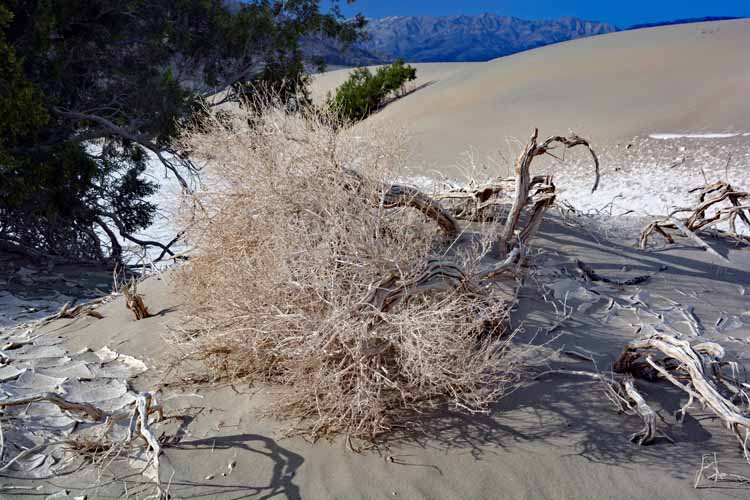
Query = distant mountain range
x=461 y=38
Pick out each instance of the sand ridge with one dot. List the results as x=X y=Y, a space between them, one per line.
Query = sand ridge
x=609 y=88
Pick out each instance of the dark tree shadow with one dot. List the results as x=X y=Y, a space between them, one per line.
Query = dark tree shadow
x=281 y=483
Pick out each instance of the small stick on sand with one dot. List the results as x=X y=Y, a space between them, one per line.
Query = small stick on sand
x=134 y=301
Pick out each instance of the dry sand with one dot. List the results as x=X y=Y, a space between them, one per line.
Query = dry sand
x=556 y=438
x=609 y=88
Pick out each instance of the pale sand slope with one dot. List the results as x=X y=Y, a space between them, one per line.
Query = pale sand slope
x=427 y=74
x=557 y=438
x=608 y=88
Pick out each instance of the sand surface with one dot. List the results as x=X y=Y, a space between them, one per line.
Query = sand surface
x=609 y=88
x=665 y=108
x=556 y=438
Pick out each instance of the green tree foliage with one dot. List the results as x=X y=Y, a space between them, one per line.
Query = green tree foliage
x=364 y=92
x=92 y=90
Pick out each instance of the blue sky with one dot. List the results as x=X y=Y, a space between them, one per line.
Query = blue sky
x=620 y=13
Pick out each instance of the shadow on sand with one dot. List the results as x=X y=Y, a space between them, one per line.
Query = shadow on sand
x=285 y=465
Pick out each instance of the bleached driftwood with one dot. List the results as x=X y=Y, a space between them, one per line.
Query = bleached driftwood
x=709 y=196
x=622 y=392
x=142 y=408
x=475 y=203
x=92 y=412
x=696 y=369
x=711 y=461
x=649 y=432
x=697 y=239
x=523 y=178
x=522 y=190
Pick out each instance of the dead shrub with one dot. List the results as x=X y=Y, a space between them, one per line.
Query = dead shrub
x=289 y=245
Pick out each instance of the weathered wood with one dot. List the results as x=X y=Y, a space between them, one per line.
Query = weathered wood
x=694 y=361
x=397 y=195
x=648 y=433
x=622 y=392
x=407 y=196
x=521 y=188
x=709 y=196
x=594 y=276
x=698 y=240
x=90 y=411
x=523 y=182
x=134 y=301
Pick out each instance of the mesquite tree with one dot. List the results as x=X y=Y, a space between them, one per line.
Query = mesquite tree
x=91 y=90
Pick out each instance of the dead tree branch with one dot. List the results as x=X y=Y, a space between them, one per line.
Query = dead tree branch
x=695 y=369
x=728 y=205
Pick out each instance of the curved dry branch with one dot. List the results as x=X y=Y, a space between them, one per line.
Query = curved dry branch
x=90 y=411
x=571 y=142
x=523 y=183
x=407 y=196
x=693 y=363
x=397 y=195
x=622 y=392
x=648 y=433
x=436 y=276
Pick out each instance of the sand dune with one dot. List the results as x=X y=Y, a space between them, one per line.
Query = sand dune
x=689 y=78
x=427 y=74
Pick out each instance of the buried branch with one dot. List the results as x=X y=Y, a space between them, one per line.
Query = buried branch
x=446 y=275
x=437 y=276
x=139 y=426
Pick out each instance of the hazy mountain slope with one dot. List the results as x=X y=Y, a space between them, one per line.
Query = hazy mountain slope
x=470 y=38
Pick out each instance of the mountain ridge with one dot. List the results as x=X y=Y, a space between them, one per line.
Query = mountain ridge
x=464 y=38
x=459 y=38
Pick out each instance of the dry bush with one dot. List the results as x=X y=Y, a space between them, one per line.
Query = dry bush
x=289 y=246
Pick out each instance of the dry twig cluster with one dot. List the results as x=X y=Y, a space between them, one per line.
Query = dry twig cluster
x=134 y=301
x=364 y=299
